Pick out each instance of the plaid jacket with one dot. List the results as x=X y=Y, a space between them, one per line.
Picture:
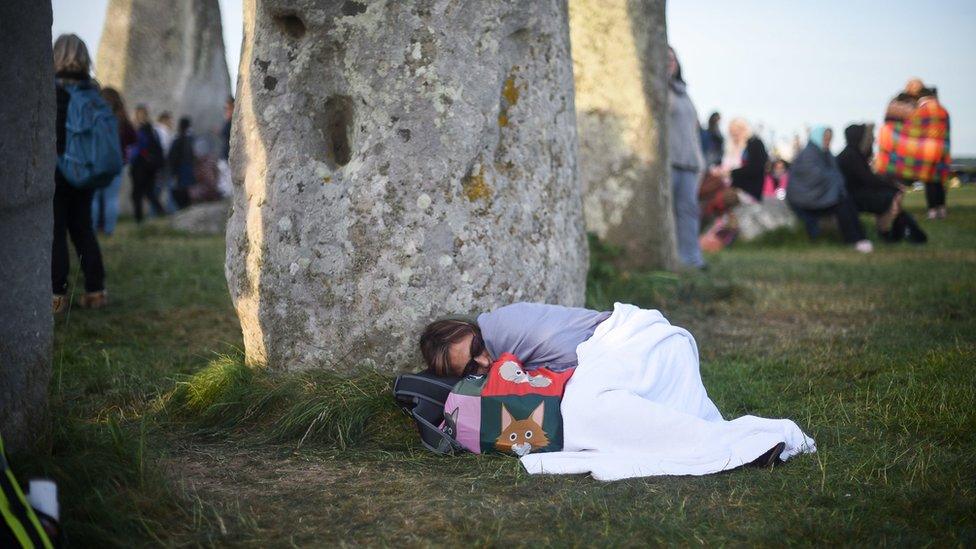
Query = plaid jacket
x=916 y=149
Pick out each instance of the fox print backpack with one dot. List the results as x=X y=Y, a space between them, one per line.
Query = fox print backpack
x=507 y=410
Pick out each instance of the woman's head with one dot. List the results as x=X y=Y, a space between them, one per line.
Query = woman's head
x=452 y=347
x=71 y=55
x=185 y=124
x=141 y=115
x=674 y=67
x=739 y=130
x=714 y=120
x=821 y=136
x=914 y=87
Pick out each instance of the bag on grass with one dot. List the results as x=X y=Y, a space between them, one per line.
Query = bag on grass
x=507 y=410
x=422 y=396
x=92 y=154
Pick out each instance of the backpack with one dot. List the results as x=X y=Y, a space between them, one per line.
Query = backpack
x=92 y=154
x=19 y=524
x=508 y=410
x=422 y=397
x=154 y=157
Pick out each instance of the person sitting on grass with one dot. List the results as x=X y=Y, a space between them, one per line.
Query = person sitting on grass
x=817 y=189
x=874 y=194
x=635 y=405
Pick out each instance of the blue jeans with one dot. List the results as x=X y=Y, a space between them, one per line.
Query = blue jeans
x=687 y=217
x=105 y=206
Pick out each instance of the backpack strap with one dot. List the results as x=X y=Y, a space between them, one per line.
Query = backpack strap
x=422 y=397
x=20 y=524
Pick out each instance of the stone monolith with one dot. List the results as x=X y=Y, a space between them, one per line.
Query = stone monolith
x=620 y=67
x=27 y=157
x=395 y=161
x=168 y=55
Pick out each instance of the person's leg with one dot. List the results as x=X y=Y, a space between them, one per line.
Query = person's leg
x=153 y=196
x=934 y=198
x=138 y=186
x=847 y=220
x=684 y=185
x=60 y=261
x=811 y=221
x=83 y=237
x=98 y=210
x=110 y=207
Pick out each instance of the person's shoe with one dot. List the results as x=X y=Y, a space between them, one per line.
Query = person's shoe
x=933 y=213
x=942 y=213
x=94 y=300
x=864 y=246
x=59 y=303
x=770 y=458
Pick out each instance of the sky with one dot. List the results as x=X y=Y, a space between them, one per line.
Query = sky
x=784 y=65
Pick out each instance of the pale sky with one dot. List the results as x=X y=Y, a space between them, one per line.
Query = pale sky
x=784 y=64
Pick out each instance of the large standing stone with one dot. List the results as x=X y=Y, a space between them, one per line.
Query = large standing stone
x=168 y=55
x=396 y=161
x=27 y=156
x=620 y=65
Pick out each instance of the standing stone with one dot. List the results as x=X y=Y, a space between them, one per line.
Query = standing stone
x=27 y=156
x=620 y=66
x=394 y=161
x=168 y=55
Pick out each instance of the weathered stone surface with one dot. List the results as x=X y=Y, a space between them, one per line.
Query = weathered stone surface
x=762 y=217
x=168 y=55
x=206 y=218
x=620 y=66
x=394 y=161
x=27 y=156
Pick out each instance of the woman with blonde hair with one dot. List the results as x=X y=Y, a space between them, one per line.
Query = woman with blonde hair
x=72 y=206
x=746 y=158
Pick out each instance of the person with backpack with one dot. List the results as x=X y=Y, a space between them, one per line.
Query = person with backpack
x=89 y=157
x=147 y=159
x=105 y=205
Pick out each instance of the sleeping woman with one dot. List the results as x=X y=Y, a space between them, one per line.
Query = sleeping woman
x=635 y=405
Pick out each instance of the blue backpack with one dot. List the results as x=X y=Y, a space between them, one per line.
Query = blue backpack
x=92 y=155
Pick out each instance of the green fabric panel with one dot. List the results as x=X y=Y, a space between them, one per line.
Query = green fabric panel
x=521 y=407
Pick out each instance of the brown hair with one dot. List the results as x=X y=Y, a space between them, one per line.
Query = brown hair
x=71 y=55
x=115 y=102
x=437 y=338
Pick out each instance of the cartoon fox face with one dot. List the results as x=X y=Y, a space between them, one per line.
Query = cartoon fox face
x=520 y=436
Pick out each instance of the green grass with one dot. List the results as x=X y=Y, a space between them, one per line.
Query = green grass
x=161 y=435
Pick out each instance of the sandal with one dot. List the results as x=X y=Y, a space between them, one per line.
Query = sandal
x=94 y=300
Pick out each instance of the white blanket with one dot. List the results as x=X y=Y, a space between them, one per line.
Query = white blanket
x=636 y=407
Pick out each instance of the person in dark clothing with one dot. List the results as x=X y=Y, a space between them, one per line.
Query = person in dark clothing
x=225 y=131
x=72 y=207
x=181 y=160
x=147 y=158
x=752 y=173
x=712 y=141
x=817 y=189
x=874 y=194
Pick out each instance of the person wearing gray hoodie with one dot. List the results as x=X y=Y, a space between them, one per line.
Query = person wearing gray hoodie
x=687 y=163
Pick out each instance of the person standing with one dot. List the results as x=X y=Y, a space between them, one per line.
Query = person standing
x=181 y=160
x=817 y=189
x=712 y=141
x=687 y=165
x=105 y=204
x=72 y=206
x=147 y=159
x=164 y=177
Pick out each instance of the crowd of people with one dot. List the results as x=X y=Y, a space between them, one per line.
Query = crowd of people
x=169 y=169
x=711 y=174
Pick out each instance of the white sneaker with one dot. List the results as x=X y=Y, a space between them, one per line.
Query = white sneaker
x=864 y=246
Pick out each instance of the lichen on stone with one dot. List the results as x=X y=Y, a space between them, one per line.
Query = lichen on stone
x=474 y=185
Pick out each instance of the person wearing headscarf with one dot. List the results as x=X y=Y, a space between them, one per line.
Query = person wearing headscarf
x=687 y=165
x=748 y=158
x=874 y=194
x=817 y=189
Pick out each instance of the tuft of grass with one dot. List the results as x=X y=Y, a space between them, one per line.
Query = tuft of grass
x=227 y=397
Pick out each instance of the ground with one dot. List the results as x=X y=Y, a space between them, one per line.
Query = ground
x=161 y=436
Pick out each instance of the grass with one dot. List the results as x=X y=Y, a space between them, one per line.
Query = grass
x=161 y=436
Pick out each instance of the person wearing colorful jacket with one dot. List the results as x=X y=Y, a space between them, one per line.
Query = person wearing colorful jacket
x=917 y=149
